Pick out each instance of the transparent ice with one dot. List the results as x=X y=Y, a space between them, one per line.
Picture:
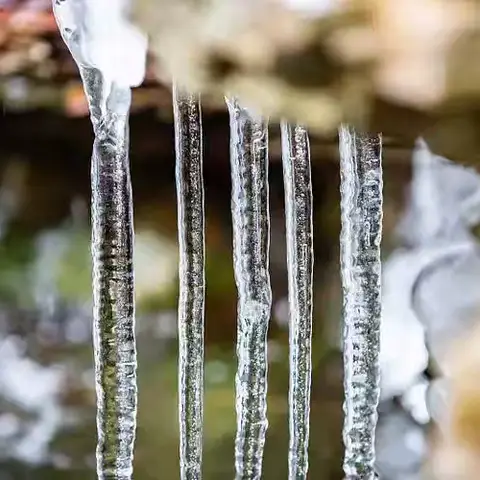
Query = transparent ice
x=251 y=238
x=190 y=194
x=299 y=228
x=113 y=292
x=111 y=58
x=361 y=213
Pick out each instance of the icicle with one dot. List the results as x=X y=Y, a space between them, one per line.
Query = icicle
x=110 y=54
x=114 y=310
x=188 y=143
x=113 y=283
x=251 y=238
x=298 y=207
x=361 y=205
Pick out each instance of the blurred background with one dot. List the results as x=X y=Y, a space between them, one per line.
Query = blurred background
x=47 y=400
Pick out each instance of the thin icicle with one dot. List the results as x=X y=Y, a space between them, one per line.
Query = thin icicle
x=361 y=205
x=298 y=209
x=190 y=198
x=251 y=239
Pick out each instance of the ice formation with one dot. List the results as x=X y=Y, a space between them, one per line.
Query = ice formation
x=251 y=242
x=361 y=207
x=191 y=218
x=299 y=227
x=111 y=57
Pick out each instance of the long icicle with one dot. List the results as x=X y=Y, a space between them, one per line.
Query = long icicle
x=190 y=199
x=299 y=227
x=113 y=282
x=361 y=206
x=251 y=239
x=107 y=76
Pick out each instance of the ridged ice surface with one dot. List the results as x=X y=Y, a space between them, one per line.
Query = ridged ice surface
x=190 y=199
x=111 y=57
x=299 y=228
x=251 y=233
x=361 y=207
x=113 y=293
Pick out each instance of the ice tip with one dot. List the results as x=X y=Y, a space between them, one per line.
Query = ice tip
x=421 y=144
x=422 y=155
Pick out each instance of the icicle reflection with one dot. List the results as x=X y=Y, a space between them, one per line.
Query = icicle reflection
x=361 y=205
x=298 y=212
x=251 y=238
x=190 y=195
